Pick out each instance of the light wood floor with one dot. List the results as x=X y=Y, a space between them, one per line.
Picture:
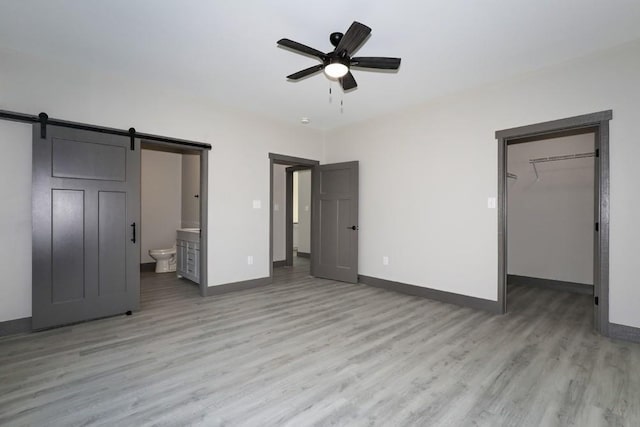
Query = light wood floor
x=306 y=351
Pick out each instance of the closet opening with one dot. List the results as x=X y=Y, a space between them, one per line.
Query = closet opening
x=554 y=217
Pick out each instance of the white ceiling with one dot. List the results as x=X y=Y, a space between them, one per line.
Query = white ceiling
x=226 y=50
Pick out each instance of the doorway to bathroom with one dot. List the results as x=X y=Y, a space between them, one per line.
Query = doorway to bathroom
x=173 y=210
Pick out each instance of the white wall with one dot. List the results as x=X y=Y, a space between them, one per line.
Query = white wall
x=426 y=174
x=279 y=213
x=15 y=221
x=304 y=211
x=550 y=219
x=160 y=201
x=238 y=162
x=190 y=188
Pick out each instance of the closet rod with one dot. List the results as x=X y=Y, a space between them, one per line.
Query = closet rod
x=45 y=120
x=556 y=158
x=565 y=157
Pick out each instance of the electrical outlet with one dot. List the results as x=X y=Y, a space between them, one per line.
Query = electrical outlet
x=491 y=203
x=385 y=260
x=257 y=204
x=250 y=260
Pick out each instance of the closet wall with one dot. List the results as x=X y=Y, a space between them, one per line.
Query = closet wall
x=550 y=218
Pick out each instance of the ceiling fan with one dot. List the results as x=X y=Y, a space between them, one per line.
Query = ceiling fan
x=337 y=64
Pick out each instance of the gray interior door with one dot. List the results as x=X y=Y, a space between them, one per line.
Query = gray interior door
x=86 y=206
x=334 y=230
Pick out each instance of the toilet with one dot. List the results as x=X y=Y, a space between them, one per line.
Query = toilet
x=165 y=259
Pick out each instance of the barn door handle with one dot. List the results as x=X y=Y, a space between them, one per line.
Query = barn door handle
x=133 y=238
x=353 y=227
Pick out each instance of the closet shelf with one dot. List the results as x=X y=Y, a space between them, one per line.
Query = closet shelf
x=557 y=158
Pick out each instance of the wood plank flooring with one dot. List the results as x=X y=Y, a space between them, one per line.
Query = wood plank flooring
x=307 y=351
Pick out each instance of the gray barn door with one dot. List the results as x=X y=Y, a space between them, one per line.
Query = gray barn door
x=85 y=204
x=334 y=230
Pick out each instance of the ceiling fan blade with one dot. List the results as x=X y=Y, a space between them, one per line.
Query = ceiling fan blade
x=376 y=62
x=300 y=48
x=348 y=82
x=306 y=72
x=353 y=38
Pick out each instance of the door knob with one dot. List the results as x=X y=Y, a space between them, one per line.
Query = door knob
x=353 y=227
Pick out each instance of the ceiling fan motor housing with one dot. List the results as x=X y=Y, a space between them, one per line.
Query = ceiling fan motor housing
x=335 y=38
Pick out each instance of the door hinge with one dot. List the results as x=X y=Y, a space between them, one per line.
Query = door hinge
x=597 y=226
x=595 y=300
x=597 y=152
x=132 y=133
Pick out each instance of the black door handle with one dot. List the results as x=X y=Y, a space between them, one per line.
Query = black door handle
x=353 y=227
x=133 y=239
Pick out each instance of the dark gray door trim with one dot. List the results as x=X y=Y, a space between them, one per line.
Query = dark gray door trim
x=599 y=123
x=296 y=163
x=204 y=198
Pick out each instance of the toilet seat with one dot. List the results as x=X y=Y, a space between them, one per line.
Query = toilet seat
x=169 y=251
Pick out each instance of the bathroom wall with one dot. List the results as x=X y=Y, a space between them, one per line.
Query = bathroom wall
x=190 y=188
x=161 y=176
x=279 y=213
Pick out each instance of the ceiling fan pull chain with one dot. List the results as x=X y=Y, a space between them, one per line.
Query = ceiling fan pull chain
x=342 y=106
x=330 y=97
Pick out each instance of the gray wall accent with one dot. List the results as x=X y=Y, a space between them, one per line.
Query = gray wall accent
x=278 y=264
x=16 y=326
x=280 y=159
x=443 y=296
x=558 y=285
x=303 y=254
x=238 y=286
x=623 y=332
x=599 y=122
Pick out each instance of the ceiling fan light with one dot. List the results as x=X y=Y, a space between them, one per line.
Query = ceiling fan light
x=335 y=70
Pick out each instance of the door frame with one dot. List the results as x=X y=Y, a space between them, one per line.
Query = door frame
x=293 y=163
x=598 y=123
x=203 y=152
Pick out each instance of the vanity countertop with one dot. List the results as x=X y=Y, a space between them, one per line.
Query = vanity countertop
x=188 y=234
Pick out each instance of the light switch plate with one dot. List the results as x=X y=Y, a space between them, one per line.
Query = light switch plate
x=491 y=203
x=250 y=260
x=257 y=204
x=385 y=260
